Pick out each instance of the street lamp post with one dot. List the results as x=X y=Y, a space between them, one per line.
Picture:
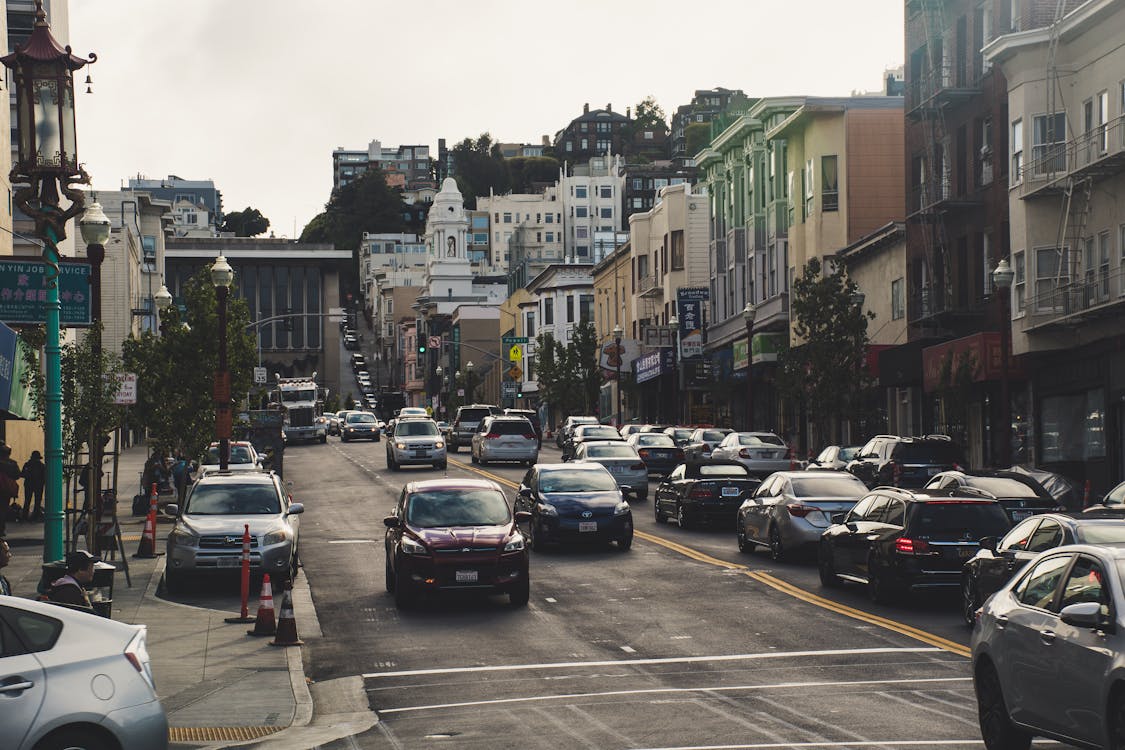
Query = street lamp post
x=469 y=388
x=1002 y=278
x=163 y=300
x=748 y=317
x=94 y=226
x=617 y=331
x=675 y=323
x=221 y=276
x=440 y=396
x=47 y=163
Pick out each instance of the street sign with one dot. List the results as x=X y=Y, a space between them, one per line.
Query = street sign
x=509 y=389
x=23 y=292
x=126 y=389
x=515 y=354
x=435 y=342
x=259 y=376
x=335 y=314
x=460 y=393
x=515 y=372
x=509 y=340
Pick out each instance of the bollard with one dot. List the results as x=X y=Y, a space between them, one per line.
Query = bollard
x=244 y=617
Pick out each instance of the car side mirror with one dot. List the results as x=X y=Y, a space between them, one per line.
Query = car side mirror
x=295 y=509
x=172 y=509
x=1082 y=615
x=989 y=543
x=837 y=518
x=522 y=516
x=524 y=492
x=391 y=522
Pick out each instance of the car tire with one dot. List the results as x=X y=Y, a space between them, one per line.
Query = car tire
x=1116 y=719
x=404 y=596
x=481 y=461
x=72 y=739
x=323 y=439
x=472 y=458
x=744 y=544
x=826 y=566
x=536 y=541
x=390 y=575
x=174 y=583
x=343 y=438
x=878 y=589
x=682 y=519
x=520 y=594
x=970 y=600
x=661 y=517
x=625 y=543
x=391 y=463
x=996 y=727
x=778 y=553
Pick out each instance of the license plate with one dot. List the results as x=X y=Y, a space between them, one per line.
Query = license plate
x=228 y=562
x=420 y=453
x=965 y=552
x=584 y=526
x=731 y=492
x=1019 y=515
x=466 y=576
x=932 y=470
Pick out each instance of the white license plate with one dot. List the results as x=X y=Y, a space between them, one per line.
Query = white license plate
x=1019 y=515
x=228 y=562
x=584 y=526
x=731 y=492
x=466 y=576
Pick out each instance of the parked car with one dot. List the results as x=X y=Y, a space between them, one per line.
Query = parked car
x=629 y=429
x=243 y=457
x=889 y=460
x=455 y=534
x=702 y=441
x=621 y=460
x=584 y=433
x=762 y=453
x=574 y=502
x=359 y=362
x=207 y=536
x=568 y=426
x=1001 y=558
x=680 y=435
x=504 y=439
x=351 y=342
x=415 y=440
x=653 y=428
x=62 y=670
x=658 y=451
x=1020 y=495
x=896 y=540
x=834 y=458
x=1049 y=651
x=360 y=425
x=703 y=493
x=791 y=509
x=466 y=422
x=333 y=423
x=531 y=416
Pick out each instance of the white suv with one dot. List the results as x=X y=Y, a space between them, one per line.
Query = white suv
x=415 y=441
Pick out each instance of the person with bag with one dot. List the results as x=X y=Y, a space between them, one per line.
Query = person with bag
x=34 y=475
x=71 y=588
x=9 y=486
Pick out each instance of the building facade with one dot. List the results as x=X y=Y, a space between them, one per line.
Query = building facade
x=405 y=167
x=594 y=133
x=705 y=106
x=591 y=197
x=197 y=204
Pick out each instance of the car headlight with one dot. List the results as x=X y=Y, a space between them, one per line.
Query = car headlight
x=183 y=536
x=622 y=509
x=515 y=544
x=546 y=509
x=412 y=546
x=439 y=444
x=275 y=537
x=401 y=446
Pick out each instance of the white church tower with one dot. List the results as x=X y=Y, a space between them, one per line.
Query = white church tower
x=449 y=277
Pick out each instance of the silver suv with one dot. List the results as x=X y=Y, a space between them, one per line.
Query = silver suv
x=207 y=537
x=466 y=424
x=415 y=440
x=505 y=439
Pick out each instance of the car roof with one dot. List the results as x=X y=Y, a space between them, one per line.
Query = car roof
x=1113 y=550
x=923 y=496
x=571 y=465
x=464 y=483
x=238 y=477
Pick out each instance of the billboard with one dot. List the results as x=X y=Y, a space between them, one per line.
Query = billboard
x=23 y=292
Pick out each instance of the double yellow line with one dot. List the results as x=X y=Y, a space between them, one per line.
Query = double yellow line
x=775 y=583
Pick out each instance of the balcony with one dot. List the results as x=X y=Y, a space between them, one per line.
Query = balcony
x=947 y=309
x=649 y=286
x=950 y=84
x=1096 y=155
x=937 y=196
x=1099 y=294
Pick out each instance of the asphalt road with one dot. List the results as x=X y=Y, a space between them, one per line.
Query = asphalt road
x=681 y=642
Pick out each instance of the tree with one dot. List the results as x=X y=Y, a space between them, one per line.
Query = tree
x=583 y=360
x=696 y=137
x=176 y=370
x=648 y=115
x=569 y=376
x=826 y=368
x=525 y=171
x=248 y=222
x=479 y=167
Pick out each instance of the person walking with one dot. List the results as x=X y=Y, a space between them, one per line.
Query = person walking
x=9 y=485
x=71 y=588
x=34 y=475
x=5 y=558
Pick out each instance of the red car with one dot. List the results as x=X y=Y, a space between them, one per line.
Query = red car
x=455 y=534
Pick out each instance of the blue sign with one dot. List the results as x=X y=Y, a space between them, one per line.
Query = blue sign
x=652 y=365
x=689 y=309
x=7 y=364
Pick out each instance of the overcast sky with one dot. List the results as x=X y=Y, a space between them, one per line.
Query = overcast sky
x=255 y=94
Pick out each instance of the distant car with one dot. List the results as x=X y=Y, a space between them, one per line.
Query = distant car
x=621 y=460
x=531 y=416
x=629 y=429
x=653 y=428
x=465 y=424
x=574 y=502
x=412 y=411
x=1001 y=558
x=702 y=441
x=359 y=425
x=681 y=435
x=243 y=457
x=890 y=460
x=568 y=426
x=658 y=451
x=359 y=362
x=70 y=679
x=333 y=423
x=762 y=453
x=455 y=534
x=351 y=342
x=1021 y=496
x=834 y=458
x=207 y=536
x=415 y=440
x=1114 y=500
x=708 y=492
x=504 y=439
x=791 y=509
x=584 y=433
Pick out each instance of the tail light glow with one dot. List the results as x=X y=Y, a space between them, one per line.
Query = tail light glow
x=906 y=546
x=701 y=492
x=799 y=511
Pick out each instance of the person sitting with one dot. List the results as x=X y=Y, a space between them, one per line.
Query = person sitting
x=71 y=588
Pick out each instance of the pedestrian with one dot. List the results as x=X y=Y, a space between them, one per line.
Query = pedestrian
x=9 y=486
x=180 y=473
x=5 y=558
x=71 y=588
x=34 y=475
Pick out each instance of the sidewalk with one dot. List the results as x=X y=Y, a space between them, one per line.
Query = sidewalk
x=218 y=685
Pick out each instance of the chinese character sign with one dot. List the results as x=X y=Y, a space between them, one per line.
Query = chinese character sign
x=23 y=292
x=689 y=309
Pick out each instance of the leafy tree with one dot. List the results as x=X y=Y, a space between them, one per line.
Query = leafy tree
x=248 y=222
x=176 y=370
x=582 y=355
x=696 y=137
x=826 y=368
x=479 y=167
x=569 y=377
x=525 y=171
x=649 y=115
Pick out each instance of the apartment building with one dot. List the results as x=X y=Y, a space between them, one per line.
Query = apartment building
x=644 y=181
x=197 y=204
x=594 y=133
x=591 y=197
x=383 y=254
x=525 y=230
x=406 y=167
x=705 y=106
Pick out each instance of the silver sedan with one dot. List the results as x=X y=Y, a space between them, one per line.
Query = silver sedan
x=762 y=453
x=622 y=461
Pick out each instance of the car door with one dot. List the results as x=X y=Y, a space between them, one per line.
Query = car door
x=868 y=533
x=758 y=514
x=847 y=537
x=993 y=570
x=665 y=496
x=23 y=681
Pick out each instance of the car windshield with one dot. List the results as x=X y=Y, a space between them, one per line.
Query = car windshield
x=610 y=451
x=573 y=480
x=233 y=500
x=239 y=454
x=847 y=454
x=415 y=428
x=298 y=394
x=723 y=470
x=655 y=441
x=361 y=418
x=843 y=485
x=1116 y=496
x=930 y=451
x=713 y=435
x=958 y=519
x=1001 y=486
x=1110 y=532
x=457 y=507
x=583 y=420
x=681 y=434
x=597 y=433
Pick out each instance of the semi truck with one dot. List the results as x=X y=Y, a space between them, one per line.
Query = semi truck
x=301 y=403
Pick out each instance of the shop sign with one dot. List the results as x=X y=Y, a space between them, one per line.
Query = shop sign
x=766 y=346
x=652 y=365
x=689 y=310
x=741 y=354
x=23 y=292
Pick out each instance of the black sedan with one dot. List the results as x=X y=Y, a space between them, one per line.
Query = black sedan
x=574 y=502
x=1020 y=495
x=658 y=451
x=711 y=491
x=584 y=434
x=1001 y=558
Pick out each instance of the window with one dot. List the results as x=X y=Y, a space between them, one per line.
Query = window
x=529 y=324
x=570 y=308
x=1050 y=275
x=808 y=180
x=1017 y=151
x=1103 y=120
x=579 y=191
x=1073 y=426
x=550 y=237
x=549 y=219
x=677 y=250
x=1017 y=539
x=1085 y=585
x=1048 y=536
x=986 y=260
x=606 y=212
x=570 y=145
x=549 y=311
x=585 y=144
x=605 y=191
x=507 y=217
x=1019 y=284
x=580 y=212
x=898 y=299
x=984 y=153
x=1103 y=266
x=148 y=248
x=1037 y=589
x=497 y=217
x=582 y=250
x=1048 y=153
x=586 y=308
x=582 y=232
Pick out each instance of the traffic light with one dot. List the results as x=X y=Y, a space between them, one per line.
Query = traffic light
x=519 y=394
x=288 y=322
x=421 y=347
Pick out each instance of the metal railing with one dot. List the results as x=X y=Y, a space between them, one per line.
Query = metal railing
x=1052 y=161
x=932 y=83
x=1096 y=289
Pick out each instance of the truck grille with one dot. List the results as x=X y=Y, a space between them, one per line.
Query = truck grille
x=301 y=417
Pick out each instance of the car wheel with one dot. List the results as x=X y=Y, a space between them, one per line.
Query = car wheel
x=390 y=575
x=174 y=583
x=72 y=739
x=343 y=438
x=520 y=594
x=970 y=600
x=625 y=543
x=777 y=548
x=537 y=543
x=391 y=463
x=1116 y=719
x=744 y=544
x=682 y=517
x=827 y=567
x=996 y=727
x=404 y=595
x=879 y=589
x=660 y=516
x=323 y=439
x=481 y=461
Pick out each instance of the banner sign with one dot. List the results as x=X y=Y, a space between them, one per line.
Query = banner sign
x=126 y=389
x=652 y=365
x=689 y=309
x=612 y=356
x=23 y=292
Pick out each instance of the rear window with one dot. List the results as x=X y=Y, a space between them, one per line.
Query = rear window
x=935 y=452
x=598 y=433
x=713 y=435
x=844 y=485
x=510 y=427
x=610 y=451
x=959 y=520
x=681 y=434
x=847 y=454
x=473 y=415
x=1101 y=533
x=771 y=440
x=646 y=440
x=723 y=470
x=1002 y=486
x=362 y=418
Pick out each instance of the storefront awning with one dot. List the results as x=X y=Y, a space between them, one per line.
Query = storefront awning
x=980 y=352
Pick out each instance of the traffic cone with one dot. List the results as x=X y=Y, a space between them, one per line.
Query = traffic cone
x=264 y=623
x=147 y=548
x=286 y=625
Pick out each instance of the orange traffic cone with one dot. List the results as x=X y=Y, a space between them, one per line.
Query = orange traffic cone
x=264 y=623
x=147 y=548
x=286 y=625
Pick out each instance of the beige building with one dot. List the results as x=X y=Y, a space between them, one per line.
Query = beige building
x=525 y=229
x=614 y=306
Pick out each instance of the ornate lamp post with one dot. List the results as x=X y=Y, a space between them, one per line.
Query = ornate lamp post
x=748 y=317
x=617 y=331
x=439 y=371
x=47 y=163
x=469 y=379
x=163 y=300
x=94 y=226
x=675 y=323
x=221 y=276
x=1002 y=278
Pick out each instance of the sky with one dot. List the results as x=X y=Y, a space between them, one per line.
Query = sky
x=255 y=94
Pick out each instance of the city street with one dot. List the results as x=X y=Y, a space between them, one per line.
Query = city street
x=680 y=642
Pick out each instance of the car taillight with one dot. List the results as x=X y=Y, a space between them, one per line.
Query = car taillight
x=643 y=453
x=679 y=452
x=637 y=467
x=492 y=435
x=957 y=467
x=529 y=436
x=896 y=472
x=799 y=511
x=137 y=654
x=906 y=546
x=706 y=447
x=701 y=492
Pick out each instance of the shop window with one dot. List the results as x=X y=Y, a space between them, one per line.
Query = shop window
x=1073 y=427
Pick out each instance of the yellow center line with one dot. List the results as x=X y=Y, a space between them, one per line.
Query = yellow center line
x=775 y=583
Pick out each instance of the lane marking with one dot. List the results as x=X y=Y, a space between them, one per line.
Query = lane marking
x=652 y=660
x=351 y=541
x=780 y=585
x=852 y=743
x=551 y=599
x=673 y=691
x=629 y=649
